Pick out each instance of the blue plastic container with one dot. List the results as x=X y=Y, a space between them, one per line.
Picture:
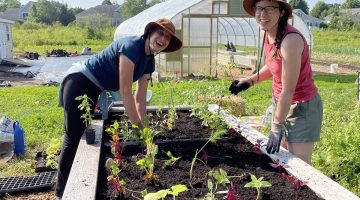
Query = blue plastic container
x=19 y=140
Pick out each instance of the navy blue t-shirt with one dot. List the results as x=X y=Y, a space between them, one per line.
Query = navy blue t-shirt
x=105 y=65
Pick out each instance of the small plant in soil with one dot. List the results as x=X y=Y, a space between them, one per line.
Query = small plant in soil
x=161 y=194
x=295 y=182
x=170 y=118
x=52 y=153
x=171 y=161
x=115 y=143
x=114 y=178
x=220 y=177
x=214 y=136
x=148 y=162
x=258 y=184
x=85 y=106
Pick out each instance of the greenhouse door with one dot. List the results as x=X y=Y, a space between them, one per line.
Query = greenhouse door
x=196 y=45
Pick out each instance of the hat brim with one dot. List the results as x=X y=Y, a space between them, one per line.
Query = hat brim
x=249 y=7
x=174 y=44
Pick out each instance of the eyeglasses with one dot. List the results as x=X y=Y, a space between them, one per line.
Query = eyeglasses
x=267 y=9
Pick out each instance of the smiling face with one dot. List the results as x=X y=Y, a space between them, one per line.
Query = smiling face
x=267 y=15
x=159 y=40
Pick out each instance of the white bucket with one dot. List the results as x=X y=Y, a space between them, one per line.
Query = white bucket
x=333 y=68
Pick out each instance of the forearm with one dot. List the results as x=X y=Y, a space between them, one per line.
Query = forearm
x=140 y=106
x=283 y=107
x=130 y=108
x=264 y=74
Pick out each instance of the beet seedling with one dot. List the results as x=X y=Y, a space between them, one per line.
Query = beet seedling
x=148 y=162
x=258 y=184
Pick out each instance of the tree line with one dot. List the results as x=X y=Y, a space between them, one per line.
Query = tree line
x=49 y=12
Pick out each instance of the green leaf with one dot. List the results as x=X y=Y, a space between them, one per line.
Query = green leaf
x=176 y=189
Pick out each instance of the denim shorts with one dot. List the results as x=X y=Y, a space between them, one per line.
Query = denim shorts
x=303 y=122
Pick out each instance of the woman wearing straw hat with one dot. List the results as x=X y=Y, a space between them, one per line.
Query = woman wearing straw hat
x=123 y=62
x=297 y=113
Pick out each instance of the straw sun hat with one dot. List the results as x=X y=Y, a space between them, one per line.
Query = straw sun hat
x=167 y=25
x=249 y=6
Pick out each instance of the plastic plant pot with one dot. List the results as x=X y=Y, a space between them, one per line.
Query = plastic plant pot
x=90 y=135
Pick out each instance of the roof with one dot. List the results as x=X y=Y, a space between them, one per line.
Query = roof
x=167 y=9
x=11 y=14
x=304 y=16
x=107 y=10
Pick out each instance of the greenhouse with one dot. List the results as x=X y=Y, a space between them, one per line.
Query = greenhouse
x=206 y=27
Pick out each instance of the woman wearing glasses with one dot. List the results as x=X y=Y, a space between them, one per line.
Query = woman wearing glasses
x=297 y=113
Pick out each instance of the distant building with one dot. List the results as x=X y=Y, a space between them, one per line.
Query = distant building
x=110 y=13
x=310 y=21
x=17 y=14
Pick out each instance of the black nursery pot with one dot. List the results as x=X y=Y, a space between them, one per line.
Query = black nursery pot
x=90 y=135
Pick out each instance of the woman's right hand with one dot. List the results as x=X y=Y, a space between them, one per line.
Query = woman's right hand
x=240 y=85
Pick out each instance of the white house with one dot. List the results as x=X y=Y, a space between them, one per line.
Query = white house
x=310 y=21
x=17 y=14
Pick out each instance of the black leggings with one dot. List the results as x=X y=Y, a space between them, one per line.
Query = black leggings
x=74 y=85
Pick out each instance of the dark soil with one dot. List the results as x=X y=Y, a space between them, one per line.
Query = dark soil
x=234 y=154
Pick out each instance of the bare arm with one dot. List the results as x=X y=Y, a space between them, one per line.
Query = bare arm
x=264 y=74
x=140 y=96
x=126 y=70
x=291 y=50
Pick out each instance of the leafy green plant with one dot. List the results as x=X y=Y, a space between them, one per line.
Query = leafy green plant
x=219 y=177
x=148 y=162
x=171 y=161
x=85 y=106
x=52 y=153
x=161 y=194
x=213 y=137
x=171 y=117
x=258 y=184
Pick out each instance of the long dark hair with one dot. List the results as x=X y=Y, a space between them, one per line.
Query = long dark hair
x=283 y=21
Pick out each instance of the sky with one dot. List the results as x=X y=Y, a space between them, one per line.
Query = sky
x=91 y=3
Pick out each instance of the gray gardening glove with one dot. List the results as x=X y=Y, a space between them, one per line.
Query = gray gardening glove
x=275 y=136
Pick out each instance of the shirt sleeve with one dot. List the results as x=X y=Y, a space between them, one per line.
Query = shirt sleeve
x=130 y=50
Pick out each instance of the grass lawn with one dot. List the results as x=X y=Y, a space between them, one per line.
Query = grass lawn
x=336 y=155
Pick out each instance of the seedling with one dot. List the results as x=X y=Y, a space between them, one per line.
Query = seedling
x=161 y=194
x=113 y=130
x=148 y=162
x=118 y=184
x=171 y=161
x=220 y=177
x=258 y=184
x=85 y=105
x=52 y=153
x=295 y=182
x=214 y=136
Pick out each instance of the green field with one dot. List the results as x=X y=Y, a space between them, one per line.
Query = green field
x=332 y=46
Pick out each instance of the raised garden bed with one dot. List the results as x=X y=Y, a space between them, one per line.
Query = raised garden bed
x=232 y=153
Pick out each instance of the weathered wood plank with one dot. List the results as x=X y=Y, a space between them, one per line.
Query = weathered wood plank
x=322 y=185
x=84 y=171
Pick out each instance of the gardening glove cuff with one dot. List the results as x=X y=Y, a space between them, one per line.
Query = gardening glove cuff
x=276 y=133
